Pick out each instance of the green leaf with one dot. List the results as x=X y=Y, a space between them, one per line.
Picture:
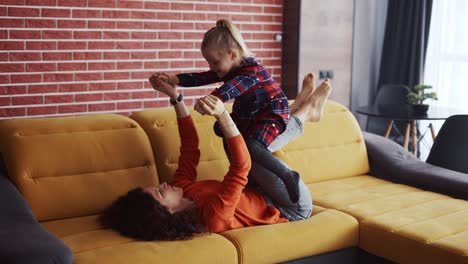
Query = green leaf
x=418 y=95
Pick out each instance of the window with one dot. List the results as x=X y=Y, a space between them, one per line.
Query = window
x=446 y=65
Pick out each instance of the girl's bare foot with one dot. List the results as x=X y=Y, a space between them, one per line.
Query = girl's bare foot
x=313 y=107
x=308 y=86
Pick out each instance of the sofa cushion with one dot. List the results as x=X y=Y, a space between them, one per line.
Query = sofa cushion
x=161 y=127
x=92 y=244
x=394 y=218
x=206 y=249
x=75 y=166
x=435 y=232
x=330 y=149
x=326 y=231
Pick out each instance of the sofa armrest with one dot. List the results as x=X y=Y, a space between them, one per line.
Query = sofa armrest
x=22 y=238
x=389 y=161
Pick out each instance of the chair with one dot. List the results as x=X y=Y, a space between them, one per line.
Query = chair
x=450 y=148
x=394 y=94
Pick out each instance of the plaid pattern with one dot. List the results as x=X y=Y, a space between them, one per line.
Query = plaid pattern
x=260 y=108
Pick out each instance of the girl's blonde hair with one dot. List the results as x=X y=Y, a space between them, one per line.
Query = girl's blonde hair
x=227 y=37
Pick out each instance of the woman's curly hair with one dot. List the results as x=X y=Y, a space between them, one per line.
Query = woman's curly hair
x=138 y=215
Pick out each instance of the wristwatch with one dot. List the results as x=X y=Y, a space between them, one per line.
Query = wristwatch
x=177 y=100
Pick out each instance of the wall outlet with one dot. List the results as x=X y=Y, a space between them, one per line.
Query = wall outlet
x=323 y=74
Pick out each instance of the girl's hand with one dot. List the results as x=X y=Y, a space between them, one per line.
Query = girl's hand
x=170 y=79
x=153 y=78
x=160 y=76
x=199 y=108
x=210 y=105
x=160 y=85
x=173 y=79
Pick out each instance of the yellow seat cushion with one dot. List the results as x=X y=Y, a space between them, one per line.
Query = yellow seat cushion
x=75 y=166
x=326 y=231
x=436 y=231
x=206 y=249
x=92 y=244
x=401 y=223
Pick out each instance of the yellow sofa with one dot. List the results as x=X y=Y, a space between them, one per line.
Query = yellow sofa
x=68 y=169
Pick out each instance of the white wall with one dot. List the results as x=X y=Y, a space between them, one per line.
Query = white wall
x=325 y=41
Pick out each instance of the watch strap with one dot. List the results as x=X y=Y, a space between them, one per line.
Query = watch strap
x=177 y=100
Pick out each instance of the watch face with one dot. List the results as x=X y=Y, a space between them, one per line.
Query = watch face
x=177 y=100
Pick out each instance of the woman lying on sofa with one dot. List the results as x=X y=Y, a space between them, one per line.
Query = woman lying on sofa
x=186 y=207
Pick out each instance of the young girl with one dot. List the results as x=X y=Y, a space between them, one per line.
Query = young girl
x=260 y=109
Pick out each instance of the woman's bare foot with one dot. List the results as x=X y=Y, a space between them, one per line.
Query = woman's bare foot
x=308 y=86
x=313 y=107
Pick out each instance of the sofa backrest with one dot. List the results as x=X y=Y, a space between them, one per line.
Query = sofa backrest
x=333 y=148
x=161 y=126
x=330 y=149
x=75 y=166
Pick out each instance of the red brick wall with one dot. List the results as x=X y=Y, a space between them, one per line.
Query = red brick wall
x=63 y=57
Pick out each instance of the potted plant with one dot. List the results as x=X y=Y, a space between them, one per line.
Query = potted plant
x=417 y=97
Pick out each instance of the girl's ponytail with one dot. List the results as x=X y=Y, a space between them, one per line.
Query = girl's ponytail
x=226 y=36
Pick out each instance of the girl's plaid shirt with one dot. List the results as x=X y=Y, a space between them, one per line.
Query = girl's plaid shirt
x=260 y=108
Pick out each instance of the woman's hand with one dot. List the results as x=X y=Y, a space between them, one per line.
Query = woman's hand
x=213 y=106
x=158 y=82
x=210 y=105
x=153 y=78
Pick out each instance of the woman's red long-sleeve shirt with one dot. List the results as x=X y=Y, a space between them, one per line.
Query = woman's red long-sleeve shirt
x=222 y=205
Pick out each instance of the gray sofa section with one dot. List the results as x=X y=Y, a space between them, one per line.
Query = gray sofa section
x=22 y=239
x=390 y=161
